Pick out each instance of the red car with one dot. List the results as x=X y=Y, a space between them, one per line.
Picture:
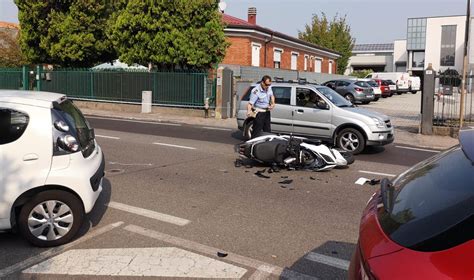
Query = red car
x=384 y=87
x=421 y=225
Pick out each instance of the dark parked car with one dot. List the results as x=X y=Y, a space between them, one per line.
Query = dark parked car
x=352 y=90
x=421 y=225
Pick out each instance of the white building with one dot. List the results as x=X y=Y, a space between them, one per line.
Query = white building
x=435 y=40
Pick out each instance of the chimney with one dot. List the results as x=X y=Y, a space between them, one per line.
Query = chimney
x=252 y=15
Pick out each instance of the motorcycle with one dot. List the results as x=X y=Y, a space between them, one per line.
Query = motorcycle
x=294 y=152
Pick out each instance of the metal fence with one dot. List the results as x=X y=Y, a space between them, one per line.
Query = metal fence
x=11 y=78
x=177 y=89
x=447 y=104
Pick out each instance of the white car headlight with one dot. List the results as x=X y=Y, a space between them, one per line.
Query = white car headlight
x=379 y=123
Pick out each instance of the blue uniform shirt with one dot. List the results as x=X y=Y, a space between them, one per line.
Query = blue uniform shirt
x=260 y=98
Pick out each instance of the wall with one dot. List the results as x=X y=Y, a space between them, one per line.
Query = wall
x=399 y=52
x=240 y=53
x=433 y=41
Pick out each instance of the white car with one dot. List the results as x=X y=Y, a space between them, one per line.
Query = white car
x=52 y=167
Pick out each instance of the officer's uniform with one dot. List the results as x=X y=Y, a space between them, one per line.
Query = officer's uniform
x=260 y=100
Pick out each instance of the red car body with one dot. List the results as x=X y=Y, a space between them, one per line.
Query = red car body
x=384 y=87
x=448 y=254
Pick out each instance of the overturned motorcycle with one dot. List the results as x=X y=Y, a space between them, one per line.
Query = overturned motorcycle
x=294 y=152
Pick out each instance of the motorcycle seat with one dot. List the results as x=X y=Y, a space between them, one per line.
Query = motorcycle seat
x=271 y=151
x=315 y=142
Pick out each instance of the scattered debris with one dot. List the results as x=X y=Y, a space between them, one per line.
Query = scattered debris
x=283 y=187
x=222 y=255
x=260 y=174
x=246 y=171
x=284 y=177
x=291 y=189
x=334 y=252
x=224 y=171
x=238 y=163
x=312 y=178
x=362 y=181
x=273 y=256
x=286 y=182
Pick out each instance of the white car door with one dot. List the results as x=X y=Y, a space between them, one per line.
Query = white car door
x=25 y=150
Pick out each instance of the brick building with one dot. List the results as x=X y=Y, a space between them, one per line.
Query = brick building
x=253 y=45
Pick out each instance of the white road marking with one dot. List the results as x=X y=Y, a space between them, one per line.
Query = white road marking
x=217 y=128
x=417 y=149
x=130 y=164
x=108 y=137
x=149 y=214
x=377 y=173
x=136 y=121
x=207 y=250
x=55 y=251
x=331 y=261
x=174 y=146
x=148 y=262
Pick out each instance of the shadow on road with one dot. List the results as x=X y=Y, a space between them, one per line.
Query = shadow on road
x=332 y=249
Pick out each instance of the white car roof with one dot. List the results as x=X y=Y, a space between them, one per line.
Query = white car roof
x=32 y=98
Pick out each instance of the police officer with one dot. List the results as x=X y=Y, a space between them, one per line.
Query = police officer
x=261 y=102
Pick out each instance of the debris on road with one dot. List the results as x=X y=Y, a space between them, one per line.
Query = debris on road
x=286 y=182
x=222 y=255
x=261 y=175
x=362 y=181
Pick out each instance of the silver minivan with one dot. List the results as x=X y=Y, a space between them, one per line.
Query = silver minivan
x=330 y=118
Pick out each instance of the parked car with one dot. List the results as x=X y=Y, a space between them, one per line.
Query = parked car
x=334 y=119
x=415 y=84
x=375 y=86
x=52 y=167
x=393 y=87
x=352 y=90
x=421 y=224
x=401 y=79
x=384 y=88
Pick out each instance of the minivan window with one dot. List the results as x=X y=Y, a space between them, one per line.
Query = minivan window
x=79 y=125
x=12 y=125
x=282 y=94
x=334 y=97
x=433 y=204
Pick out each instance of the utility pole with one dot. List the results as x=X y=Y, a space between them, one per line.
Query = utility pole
x=464 y=70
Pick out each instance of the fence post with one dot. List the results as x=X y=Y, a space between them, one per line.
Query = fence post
x=219 y=93
x=25 y=78
x=38 y=77
x=427 y=100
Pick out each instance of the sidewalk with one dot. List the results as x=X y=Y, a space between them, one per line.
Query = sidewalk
x=402 y=137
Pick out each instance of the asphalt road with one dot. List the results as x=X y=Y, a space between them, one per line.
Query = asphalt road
x=176 y=186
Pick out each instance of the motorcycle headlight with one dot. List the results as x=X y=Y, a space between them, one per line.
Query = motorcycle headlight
x=378 y=123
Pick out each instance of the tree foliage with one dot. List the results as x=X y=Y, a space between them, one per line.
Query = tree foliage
x=10 y=52
x=170 y=33
x=361 y=73
x=332 y=33
x=66 y=32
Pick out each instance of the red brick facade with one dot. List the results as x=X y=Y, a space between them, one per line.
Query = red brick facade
x=242 y=39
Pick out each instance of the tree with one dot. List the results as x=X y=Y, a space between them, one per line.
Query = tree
x=170 y=34
x=361 y=73
x=334 y=34
x=10 y=52
x=67 y=33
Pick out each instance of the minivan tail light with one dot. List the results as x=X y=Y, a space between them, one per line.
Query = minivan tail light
x=68 y=143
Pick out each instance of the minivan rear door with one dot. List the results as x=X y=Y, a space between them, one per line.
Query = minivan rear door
x=310 y=120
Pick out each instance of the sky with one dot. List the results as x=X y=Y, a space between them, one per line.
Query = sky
x=371 y=21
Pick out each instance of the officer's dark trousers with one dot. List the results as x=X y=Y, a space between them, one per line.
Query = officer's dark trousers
x=262 y=122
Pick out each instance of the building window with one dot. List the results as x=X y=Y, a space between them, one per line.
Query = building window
x=306 y=58
x=416 y=33
x=448 y=45
x=294 y=60
x=330 y=67
x=317 y=65
x=256 y=54
x=418 y=60
x=277 y=58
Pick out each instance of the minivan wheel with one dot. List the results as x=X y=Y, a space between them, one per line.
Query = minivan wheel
x=351 y=140
x=248 y=129
x=51 y=218
x=349 y=98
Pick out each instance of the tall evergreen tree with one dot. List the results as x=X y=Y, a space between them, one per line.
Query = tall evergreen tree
x=170 y=33
x=66 y=32
x=334 y=34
